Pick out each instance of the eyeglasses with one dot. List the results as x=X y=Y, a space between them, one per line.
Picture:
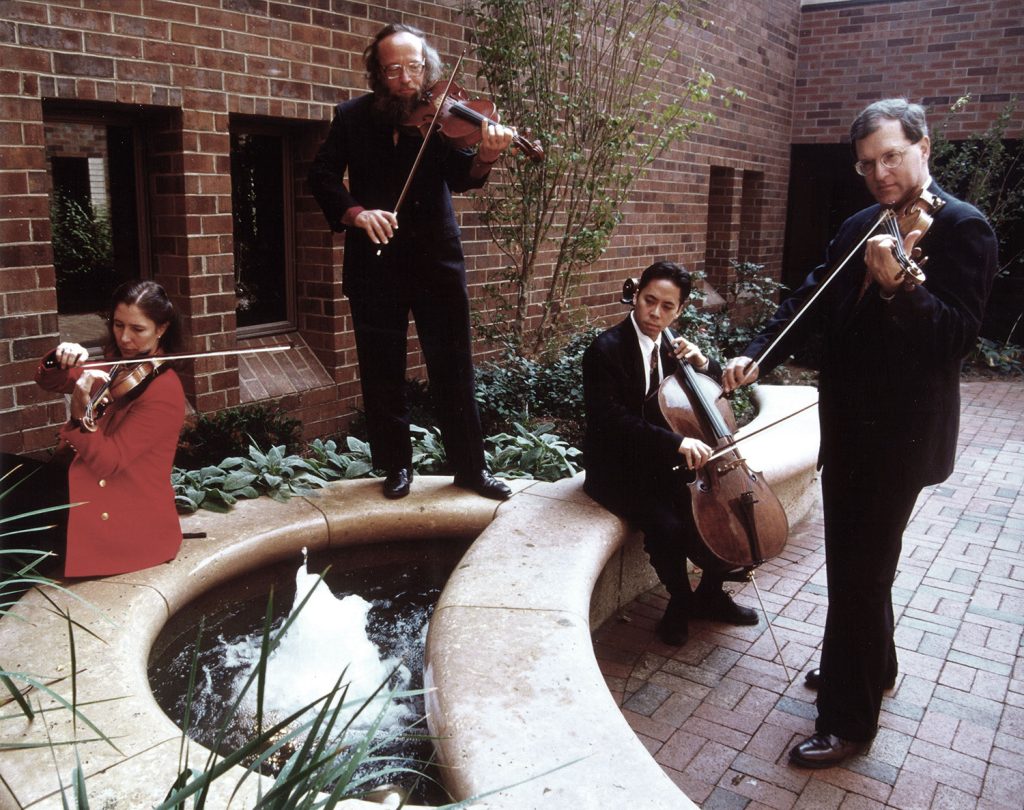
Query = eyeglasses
x=414 y=69
x=890 y=160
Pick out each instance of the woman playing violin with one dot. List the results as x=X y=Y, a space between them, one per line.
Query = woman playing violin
x=411 y=261
x=120 y=471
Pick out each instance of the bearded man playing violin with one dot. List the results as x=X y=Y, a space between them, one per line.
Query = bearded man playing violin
x=632 y=459
x=889 y=403
x=411 y=261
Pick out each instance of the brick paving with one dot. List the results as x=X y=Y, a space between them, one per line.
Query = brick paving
x=720 y=716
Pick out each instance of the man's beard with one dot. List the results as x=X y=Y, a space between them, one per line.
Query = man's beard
x=395 y=111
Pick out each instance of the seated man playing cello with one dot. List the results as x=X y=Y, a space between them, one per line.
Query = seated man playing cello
x=632 y=460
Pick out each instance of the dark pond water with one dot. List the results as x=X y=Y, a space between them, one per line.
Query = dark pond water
x=373 y=620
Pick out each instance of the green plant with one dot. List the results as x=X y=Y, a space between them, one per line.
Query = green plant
x=519 y=389
x=601 y=85
x=987 y=171
x=1004 y=358
x=83 y=251
x=331 y=465
x=750 y=297
x=219 y=487
x=536 y=453
x=213 y=437
x=428 y=453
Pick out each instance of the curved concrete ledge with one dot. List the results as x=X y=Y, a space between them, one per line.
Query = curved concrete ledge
x=518 y=701
x=126 y=613
x=517 y=688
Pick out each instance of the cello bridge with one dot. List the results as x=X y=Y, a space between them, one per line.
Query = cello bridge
x=729 y=466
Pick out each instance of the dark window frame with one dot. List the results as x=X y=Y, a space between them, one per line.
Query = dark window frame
x=242 y=124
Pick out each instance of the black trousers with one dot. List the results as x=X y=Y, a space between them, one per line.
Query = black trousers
x=866 y=512
x=434 y=291
x=663 y=513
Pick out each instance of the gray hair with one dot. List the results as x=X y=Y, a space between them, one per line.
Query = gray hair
x=375 y=70
x=910 y=116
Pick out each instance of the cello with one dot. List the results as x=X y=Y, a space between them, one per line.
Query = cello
x=739 y=519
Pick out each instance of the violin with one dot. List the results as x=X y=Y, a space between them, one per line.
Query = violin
x=739 y=519
x=914 y=214
x=123 y=381
x=458 y=118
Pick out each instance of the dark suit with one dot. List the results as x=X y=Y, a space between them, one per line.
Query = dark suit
x=889 y=412
x=629 y=458
x=421 y=270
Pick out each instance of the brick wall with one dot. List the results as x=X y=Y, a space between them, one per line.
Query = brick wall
x=186 y=69
x=930 y=51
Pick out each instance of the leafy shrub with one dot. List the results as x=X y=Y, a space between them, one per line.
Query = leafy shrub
x=83 y=253
x=1003 y=358
x=537 y=454
x=332 y=465
x=218 y=487
x=520 y=389
x=229 y=433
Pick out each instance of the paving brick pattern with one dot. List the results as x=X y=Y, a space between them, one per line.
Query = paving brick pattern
x=720 y=715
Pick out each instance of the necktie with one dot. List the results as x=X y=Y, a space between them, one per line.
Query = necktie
x=652 y=377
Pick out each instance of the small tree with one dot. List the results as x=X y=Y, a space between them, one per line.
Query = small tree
x=588 y=79
x=987 y=171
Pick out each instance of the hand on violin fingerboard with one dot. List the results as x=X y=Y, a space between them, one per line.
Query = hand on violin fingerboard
x=494 y=140
x=83 y=391
x=738 y=372
x=880 y=259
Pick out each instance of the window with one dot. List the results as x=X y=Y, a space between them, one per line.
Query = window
x=96 y=211
x=262 y=225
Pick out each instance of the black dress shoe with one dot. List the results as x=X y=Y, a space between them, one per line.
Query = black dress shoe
x=824 y=751
x=672 y=633
x=483 y=483
x=396 y=485
x=812 y=680
x=718 y=606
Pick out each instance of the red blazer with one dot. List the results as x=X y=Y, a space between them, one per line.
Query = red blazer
x=122 y=476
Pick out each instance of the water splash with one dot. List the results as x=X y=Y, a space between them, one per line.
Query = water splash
x=328 y=636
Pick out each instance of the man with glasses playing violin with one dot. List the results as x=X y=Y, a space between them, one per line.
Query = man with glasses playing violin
x=889 y=402
x=411 y=261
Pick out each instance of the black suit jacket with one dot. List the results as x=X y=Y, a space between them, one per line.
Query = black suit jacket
x=360 y=142
x=889 y=383
x=623 y=451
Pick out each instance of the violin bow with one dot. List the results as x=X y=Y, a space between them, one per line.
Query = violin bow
x=426 y=138
x=882 y=217
x=124 y=361
x=732 y=445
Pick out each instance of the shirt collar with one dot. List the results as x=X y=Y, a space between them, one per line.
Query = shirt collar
x=646 y=344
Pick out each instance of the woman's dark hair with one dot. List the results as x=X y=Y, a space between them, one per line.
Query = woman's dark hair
x=149 y=297
x=670 y=271
x=375 y=70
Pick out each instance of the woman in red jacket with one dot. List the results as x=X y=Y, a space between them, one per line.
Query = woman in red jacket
x=121 y=467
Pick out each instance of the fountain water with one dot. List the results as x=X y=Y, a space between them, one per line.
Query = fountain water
x=365 y=616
